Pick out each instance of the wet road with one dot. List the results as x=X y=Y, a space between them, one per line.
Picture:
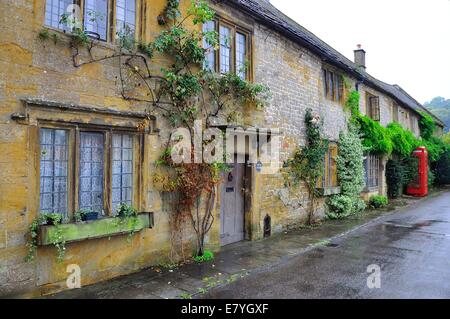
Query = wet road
x=411 y=247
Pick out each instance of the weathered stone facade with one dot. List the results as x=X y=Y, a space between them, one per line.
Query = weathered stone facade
x=43 y=73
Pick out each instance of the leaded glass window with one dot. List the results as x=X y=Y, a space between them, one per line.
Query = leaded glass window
x=122 y=170
x=241 y=55
x=91 y=171
x=210 y=59
x=53 y=170
x=96 y=17
x=54 y=9
x=126 y=17
x=225 y=49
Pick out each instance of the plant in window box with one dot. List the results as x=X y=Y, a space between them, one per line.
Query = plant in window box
x=50 y=219
x=126 y=212
x=85 y=215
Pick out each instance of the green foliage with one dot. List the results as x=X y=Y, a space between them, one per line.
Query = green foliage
x=435 y=147
x=378 y=201
x=80 y=215
x=201 y=12
x=446 y=139
x=443 y=168
x=403 y=141
x=126 y=213
x=146 y=49
x=44 y=35
x=431 y=177
x=400 y=173
x=207 y=256
x=427 y=126
x=339 y=206
x=58 y=241
x=242 y=91
x=352 y=103
x=170 y=12
x=350 y=170
x=394 y=178
x=375 y=137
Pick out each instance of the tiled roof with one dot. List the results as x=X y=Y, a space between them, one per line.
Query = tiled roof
x=267 y=14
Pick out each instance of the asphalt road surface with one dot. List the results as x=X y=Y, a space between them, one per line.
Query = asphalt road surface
x=411 y=248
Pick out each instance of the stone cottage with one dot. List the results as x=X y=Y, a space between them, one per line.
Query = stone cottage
x=88 y=131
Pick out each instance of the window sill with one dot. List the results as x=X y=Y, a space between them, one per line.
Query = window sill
x=371 y=189
x=329 y=191
x=101 y=228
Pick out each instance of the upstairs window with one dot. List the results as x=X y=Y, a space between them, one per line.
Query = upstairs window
x=96 y=17
x=126 y=17
x=210 y=60
x=102 y=19
x=225 y=49
x=241 y=55
x=333 y=86
x=54 y=10
x=373 y=107
x=395 y=112
x=233 y=54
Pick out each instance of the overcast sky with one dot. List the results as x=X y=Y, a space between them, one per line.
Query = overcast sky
x=407 y=41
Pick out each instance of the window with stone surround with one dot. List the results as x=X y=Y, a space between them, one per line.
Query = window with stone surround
x=329 y=178
x=86 y=168
x=333 y=85
x=234 y=52
x=102 y=19
x=372 y=171
x=373 y=107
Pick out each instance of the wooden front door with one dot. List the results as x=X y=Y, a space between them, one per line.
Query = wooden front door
x=232 y=205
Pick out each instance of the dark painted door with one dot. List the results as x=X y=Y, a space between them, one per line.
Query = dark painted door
x=232 y=206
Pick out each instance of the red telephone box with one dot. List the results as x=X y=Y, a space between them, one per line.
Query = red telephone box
x=419 y=186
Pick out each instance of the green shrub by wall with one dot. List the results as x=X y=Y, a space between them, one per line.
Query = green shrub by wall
x=378 y=201
x=443 y=169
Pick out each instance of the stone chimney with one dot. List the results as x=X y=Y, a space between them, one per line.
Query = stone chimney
x=360 y=57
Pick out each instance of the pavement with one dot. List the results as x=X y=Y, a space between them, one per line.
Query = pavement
x=410 y=244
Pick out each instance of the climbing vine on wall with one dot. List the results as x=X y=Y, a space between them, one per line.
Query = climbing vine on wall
x=307 y=163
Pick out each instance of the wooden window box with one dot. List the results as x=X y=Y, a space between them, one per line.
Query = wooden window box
x=106 y=227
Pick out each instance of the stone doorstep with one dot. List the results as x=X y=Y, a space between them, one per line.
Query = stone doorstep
x=232 y=263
